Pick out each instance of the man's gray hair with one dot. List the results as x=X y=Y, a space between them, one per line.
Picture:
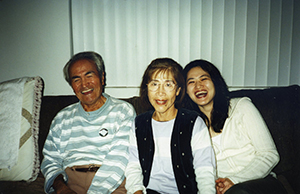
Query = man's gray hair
x=89 y=55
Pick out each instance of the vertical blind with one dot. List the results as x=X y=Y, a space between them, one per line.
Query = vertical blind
x=254 y=43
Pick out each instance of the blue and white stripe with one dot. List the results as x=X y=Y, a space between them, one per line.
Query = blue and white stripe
x=74 y=139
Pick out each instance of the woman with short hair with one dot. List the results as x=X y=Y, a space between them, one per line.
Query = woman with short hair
x=170 y=149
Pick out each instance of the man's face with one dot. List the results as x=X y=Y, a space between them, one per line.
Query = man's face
x=86 y=84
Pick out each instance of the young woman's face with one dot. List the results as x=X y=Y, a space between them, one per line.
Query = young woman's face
x=200 y=88
x=162 y=92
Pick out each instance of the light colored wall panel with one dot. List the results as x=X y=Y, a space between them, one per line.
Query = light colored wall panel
x=239 y=43
x=217 y=33
x=251 y=39
x=274 y=46
x=286 y=43
x=295 y=58
x=262 y=43
x=254 y=43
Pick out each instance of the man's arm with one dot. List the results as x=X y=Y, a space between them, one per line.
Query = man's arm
x=51 y=166
x=111 y=173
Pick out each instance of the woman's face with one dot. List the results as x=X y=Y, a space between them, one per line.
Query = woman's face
x=200 y=88
x=162 y=92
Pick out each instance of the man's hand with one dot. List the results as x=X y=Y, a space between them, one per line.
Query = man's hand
x=60 y=187
x=223 y=184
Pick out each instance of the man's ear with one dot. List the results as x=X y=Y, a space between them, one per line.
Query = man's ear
x=103 y=79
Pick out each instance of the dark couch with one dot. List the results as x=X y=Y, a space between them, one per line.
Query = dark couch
x=279 y=106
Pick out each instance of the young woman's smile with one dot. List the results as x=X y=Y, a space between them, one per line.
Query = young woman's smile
x=200 y=88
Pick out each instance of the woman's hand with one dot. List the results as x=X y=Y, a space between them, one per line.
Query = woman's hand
x=223 y=184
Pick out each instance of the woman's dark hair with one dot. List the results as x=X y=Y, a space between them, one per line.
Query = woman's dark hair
x=221 y=99
x=164 y=65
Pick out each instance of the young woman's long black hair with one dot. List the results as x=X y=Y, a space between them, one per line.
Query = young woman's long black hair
x=221 y=99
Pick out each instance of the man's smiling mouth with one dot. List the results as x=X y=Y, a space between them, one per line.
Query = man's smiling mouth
x=87 y=91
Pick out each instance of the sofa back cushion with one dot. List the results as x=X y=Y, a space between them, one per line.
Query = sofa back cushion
x=279 y=106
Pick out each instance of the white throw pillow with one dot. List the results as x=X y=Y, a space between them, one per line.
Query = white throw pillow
x=27 y=167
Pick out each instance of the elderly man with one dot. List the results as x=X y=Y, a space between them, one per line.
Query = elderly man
x=86 y=150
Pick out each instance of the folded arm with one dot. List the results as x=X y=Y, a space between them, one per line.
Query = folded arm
x=111 y=173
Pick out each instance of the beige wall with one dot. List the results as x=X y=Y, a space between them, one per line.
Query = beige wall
x=35 y=40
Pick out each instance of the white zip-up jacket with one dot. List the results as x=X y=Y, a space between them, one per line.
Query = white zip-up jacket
x=246 y=150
